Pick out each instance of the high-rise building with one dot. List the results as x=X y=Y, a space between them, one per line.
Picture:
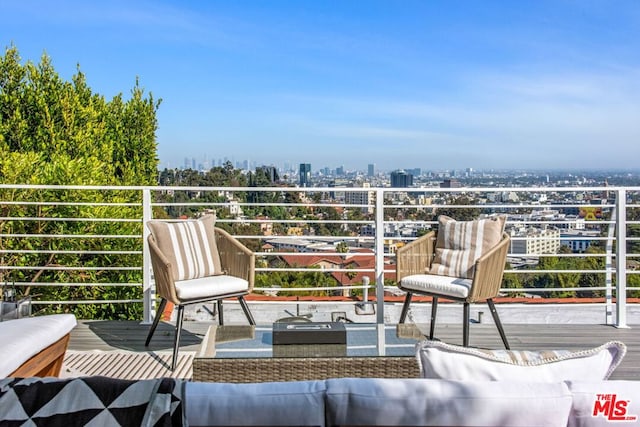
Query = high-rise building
x=371 y=169
x=360 y=198
x=340 y=170
x=450 y=183
x=305 y=174
x=401 y=179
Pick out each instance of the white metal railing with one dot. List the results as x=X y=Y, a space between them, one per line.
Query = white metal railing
x=61 y=232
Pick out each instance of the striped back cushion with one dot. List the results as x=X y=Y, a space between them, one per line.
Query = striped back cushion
x=461 y=243
x=189 y=245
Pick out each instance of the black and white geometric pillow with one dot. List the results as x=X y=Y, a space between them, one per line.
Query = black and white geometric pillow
x=92 y=400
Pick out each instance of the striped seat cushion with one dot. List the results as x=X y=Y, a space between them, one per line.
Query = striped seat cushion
x=461 y=243
x=189 y=245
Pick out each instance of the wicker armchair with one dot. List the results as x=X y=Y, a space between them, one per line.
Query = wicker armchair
x=413 y=276
x=235 y=280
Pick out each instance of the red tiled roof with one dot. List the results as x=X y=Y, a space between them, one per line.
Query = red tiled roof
x=354 y=261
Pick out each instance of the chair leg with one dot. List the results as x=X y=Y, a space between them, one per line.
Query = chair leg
x=156 y=320
x=465 y=325
x=405 y=307
x=214 y=310
x=496 y=319
x=220 y=314
x=176 y=339
x=434 y=312
x=245 y=308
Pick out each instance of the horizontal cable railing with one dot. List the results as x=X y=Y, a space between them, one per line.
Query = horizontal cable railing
x=75 y=237
x=74 y=248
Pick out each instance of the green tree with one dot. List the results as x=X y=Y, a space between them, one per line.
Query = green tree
x=511 y=281
x=592 y=280
x=59 y=132
x=314 y=278
x=461 y=214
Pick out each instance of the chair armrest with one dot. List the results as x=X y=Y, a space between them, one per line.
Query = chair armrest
x=489 y=270
x=415 y=257
x=162 y=272
x=236 y=259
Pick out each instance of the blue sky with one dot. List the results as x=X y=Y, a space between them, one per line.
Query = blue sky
x=403 y=84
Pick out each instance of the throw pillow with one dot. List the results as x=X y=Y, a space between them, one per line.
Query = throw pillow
x=190 y=246
x=460 y=243
x=452 y=362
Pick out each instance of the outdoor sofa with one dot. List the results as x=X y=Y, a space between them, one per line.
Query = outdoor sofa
x=458 y=387
x=333 y=402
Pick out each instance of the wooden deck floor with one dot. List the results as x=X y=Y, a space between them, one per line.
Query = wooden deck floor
x=130 y=335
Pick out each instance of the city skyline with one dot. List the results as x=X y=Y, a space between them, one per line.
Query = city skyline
x=432 y=85
x=335 y=167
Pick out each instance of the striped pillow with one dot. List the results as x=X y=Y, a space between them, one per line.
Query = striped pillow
x=189 y=245
x=461 y=243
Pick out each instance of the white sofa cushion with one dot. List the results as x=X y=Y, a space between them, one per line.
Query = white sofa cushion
x=423 y=402
x=26 y=337
x=452 y=362
x=296 y=403
x=604 y=403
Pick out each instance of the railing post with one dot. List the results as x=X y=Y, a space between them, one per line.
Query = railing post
x=608 y=277
x=621 y=259
x=379 y=247
x=148 y=304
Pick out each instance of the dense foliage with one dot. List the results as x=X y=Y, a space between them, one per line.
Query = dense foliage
x=57 y=132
